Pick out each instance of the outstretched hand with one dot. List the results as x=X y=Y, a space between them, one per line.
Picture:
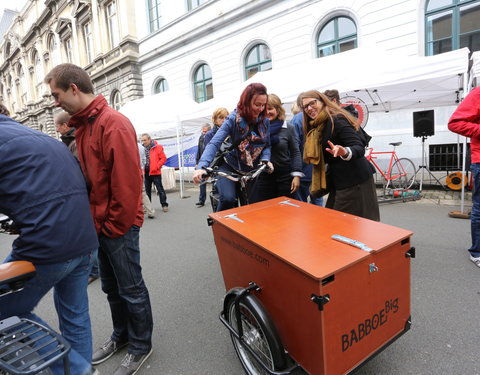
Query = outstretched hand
x=336 y=150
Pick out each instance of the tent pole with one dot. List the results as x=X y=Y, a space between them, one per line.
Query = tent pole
x=464 y=158
x=180 y=157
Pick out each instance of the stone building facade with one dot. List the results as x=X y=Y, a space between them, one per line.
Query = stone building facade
x=95 y=34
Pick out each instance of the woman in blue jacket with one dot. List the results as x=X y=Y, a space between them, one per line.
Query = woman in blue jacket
x=249 y=131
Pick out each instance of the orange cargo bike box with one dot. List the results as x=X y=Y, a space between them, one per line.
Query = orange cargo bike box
x=309 y=287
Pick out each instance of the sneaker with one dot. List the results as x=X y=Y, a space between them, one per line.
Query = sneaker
x=131 y=363
x=151 y=216
x=475 y=260
x=106 y=351
x=165 y=208
x=200 y=204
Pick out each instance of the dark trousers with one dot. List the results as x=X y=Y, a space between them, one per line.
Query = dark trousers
x=157 y=180
x=127 y=295
x=203 y=193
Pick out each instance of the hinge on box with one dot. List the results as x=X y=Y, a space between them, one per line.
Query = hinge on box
x=410 y=253
x=209 y=222
x=320 y=300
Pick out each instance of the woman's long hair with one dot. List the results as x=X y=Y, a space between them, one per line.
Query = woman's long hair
x=330 y=107
x=244 y=106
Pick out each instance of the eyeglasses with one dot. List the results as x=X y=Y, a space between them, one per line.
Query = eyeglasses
x=312 y=103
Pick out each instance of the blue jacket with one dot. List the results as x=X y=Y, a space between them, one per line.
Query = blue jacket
x=297 y=122
x=237 y=132
x=44 y=192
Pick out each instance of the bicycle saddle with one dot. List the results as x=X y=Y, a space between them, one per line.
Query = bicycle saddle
x=13 y=275
x=395 y=143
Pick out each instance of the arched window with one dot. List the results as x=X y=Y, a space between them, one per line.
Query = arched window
x=160 y=86
x=202 y=83
x=116 y=100
x=336 y=36
x=53 y=51
x=452 y=24
x=258 y=59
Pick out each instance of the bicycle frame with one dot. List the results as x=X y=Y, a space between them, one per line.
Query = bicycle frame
x=387 y=175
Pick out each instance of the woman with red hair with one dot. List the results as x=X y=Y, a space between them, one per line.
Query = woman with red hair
x=249 y=130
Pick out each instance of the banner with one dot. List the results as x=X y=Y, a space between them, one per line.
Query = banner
x=189 y=147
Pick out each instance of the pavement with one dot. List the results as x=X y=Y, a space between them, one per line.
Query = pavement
x=181 y=270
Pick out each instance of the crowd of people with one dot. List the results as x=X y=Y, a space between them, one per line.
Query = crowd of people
x=321 y=151
x=98 y=186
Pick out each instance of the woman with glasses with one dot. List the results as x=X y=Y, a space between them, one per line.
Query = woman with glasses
x=249 y=131
x=333 y=146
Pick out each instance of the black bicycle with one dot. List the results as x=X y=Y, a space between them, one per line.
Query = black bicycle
x=245 y=178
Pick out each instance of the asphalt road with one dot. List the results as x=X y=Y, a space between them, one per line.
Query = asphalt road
x=182 y=273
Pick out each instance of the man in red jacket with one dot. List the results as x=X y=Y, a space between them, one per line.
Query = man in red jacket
x=466 y=121
x=155 y=159
x=107 y=150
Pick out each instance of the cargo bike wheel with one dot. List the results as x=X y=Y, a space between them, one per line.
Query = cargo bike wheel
x=259 y=333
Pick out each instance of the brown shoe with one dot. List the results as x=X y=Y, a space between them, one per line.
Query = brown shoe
x=165 y=208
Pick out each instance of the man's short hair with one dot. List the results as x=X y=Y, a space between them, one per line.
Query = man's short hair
x=207 y=126
x=66 y=74
x=332 y=94
x=146 y=135
x=4 y=110
x=61 y=118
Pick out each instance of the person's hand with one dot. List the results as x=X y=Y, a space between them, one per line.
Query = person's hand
x=198 y=175
x=269 y=167
x=336 y=150
x=295 y=184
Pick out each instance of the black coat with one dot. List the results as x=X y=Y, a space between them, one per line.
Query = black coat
x=343 y=174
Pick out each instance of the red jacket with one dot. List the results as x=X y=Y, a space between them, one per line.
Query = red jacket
x=466 y=121
x=108 y=154
x=157 y=159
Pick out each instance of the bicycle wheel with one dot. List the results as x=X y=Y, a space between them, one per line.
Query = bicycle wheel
x=259 y=334
x=402 y=174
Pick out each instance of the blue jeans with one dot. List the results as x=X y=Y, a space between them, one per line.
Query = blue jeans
x=157 y=180
x=303 y=193
x=203 y=193
x=475 y=215
x=122 y=281
x=69 y=281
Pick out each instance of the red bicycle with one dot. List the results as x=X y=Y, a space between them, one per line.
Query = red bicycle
x=400 y=173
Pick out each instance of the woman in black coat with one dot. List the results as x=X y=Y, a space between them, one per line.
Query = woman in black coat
x=333 y=146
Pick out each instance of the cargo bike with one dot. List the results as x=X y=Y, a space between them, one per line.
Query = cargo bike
x=310 y=290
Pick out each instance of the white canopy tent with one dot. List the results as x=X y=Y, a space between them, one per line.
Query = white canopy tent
x=384 y=80
x=159 y=116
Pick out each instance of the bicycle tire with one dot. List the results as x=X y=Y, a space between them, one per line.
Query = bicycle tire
x=259 y=333
x=404 y=169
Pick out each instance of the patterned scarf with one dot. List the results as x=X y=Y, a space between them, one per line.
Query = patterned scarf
x=313 y=153
x=253 y=144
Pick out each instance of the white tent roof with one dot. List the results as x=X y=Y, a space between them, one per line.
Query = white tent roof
x=383 y=80
x=159 y=114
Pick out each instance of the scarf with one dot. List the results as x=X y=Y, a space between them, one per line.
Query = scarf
x=253 y=144
x=275 y=127
x=313 y=153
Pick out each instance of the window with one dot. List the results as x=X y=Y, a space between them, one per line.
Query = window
x=53 y=50
x=258 y=59
x=154 y=15
x=116 y=100
x=202 y=83
x=112 y=24
x=68 y=50
x=452 y=24
x=338 y=35
x=88 y=39
x=191 y=4
x=37 y=62
x=160 y=86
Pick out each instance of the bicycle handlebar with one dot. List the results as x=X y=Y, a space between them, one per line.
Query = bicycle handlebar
x=233 y=176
